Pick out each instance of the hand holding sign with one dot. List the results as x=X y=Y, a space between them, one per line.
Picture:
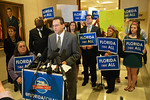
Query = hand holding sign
x=19 y=80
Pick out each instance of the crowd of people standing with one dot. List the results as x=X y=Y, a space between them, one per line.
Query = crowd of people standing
x=67 y=41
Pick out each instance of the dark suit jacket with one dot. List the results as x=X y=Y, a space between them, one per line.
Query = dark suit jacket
x=70 y=53
x=9 y=47
x=13 y=22
x=36 y=43
x=94 y=50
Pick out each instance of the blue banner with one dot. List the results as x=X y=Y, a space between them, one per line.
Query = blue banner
x=95 y=14
x=79 y=15
x=108 y=62
x=87 y=39
x=21 y=62
x=134 y=46
x=105 y=44
x=132 y=12
x=48 y=13
x=41 y=86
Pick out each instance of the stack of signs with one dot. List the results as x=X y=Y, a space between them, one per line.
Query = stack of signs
x=134 y=46
x=108 y=62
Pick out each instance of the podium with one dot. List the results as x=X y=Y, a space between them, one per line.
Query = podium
x=41 y=86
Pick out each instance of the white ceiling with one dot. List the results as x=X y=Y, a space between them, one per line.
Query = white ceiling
x=99 y=4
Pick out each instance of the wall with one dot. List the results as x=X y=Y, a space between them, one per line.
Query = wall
x=143 y=9
x=32 y=9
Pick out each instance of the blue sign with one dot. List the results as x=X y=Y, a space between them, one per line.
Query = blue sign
x=95 y=14
x=79 y=15
x=134 y=46
x=87 y=39
x=44 y=86
x=48 y=12
x=108 y=62
x=105 y=44
x=21 y=62
x=132 y=12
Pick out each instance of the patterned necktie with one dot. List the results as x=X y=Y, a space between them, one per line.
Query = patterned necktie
x=88 y=29
x=59 y=42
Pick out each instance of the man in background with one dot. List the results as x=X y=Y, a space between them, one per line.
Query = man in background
x=89 y=53
x=38 y=38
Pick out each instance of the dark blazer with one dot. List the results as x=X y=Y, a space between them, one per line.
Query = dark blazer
x=70 y=53
x=36 y=43
x=94 y=50
x=13 y=22
x=9 y=47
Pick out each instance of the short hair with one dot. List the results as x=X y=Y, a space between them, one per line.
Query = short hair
x=40 y=19
x=12 y=27
x=9 y=9
x=60 y=19
x=16 y=52
x=89 y=15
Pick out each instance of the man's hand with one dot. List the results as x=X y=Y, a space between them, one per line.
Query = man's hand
x=89 y=47
x=64 y=62
x=19 y=80
x=83 y=47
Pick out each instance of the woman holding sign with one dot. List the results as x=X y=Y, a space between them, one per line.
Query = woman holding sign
x=133 y=61
x=20 y=50
x=111 y=75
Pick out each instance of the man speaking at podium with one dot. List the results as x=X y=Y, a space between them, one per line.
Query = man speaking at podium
x=69 y=54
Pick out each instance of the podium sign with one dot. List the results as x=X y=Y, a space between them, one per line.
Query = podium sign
x=41 y=86
x=134 y=46
x=87 y=39
x=21 y=61
x=79 y=16
x=108 y=62
x=105 y=44
x=48 y=13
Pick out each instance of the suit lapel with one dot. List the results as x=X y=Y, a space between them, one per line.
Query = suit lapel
x=92 y=30
x=65 y=38
x=54 y=43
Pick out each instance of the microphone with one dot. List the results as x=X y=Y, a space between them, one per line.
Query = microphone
x=54 y=53
x=44 y=54
x=59 y=64
x=37 y=57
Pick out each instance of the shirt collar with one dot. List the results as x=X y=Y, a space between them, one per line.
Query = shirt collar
x=40 y=29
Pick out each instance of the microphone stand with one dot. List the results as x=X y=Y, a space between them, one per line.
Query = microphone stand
x=64 y=79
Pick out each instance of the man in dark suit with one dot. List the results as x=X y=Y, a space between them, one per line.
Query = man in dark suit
x=89 y=53
x=12 y=21
x=38 y=38
x=69 y=54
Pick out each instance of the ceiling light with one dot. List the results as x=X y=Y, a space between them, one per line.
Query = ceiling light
x=97 y=1
x=106 y=2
